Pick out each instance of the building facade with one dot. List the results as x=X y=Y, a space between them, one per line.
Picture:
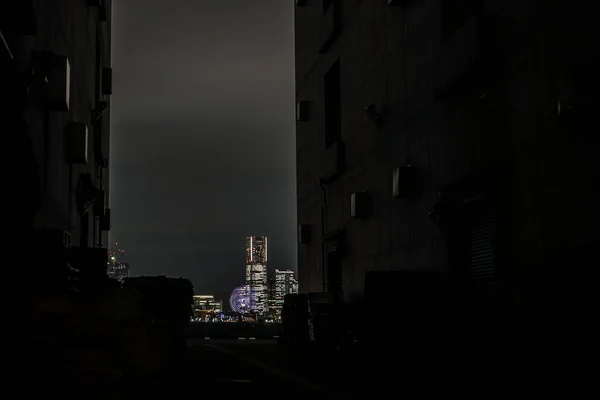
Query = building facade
x=55 y=67
x=206 y=304
x=256 y=272
x=285 y=283
x=438 y=135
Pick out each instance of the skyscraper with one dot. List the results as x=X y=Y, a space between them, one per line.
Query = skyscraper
x=256 y=272
x=285 y=283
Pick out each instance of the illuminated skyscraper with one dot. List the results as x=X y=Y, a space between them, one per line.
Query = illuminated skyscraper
x=256 y=272
x=285 y=283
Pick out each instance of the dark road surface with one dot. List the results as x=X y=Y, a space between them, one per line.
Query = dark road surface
x=262 y=368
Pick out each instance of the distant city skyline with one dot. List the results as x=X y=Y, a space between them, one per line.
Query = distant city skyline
x=270 y=271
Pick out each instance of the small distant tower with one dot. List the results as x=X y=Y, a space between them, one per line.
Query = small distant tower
x=117 y=269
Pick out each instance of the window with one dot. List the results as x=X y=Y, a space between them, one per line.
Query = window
x=333 y=118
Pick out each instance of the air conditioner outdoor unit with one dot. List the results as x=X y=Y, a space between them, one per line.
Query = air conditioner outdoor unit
x=56 y=73
x=58 y=88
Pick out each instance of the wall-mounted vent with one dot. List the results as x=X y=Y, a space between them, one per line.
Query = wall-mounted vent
x=303 y=233
x=107 y=81
x=105 y=220
x=300 y=3
x=302 y=111
x=76 y=143
x=360 y=206
x=402 y=181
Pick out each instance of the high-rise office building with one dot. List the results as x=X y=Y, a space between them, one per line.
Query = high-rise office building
x=256 y=272
x=285 y=283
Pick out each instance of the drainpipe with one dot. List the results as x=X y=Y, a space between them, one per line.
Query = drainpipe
x=408 y=157
x=323 y=232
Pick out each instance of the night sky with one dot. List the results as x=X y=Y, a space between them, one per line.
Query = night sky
x=202 y=139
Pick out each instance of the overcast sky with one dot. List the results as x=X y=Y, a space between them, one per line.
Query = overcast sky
x=202 y=139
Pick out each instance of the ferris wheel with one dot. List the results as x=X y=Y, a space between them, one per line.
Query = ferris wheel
x=241 y=299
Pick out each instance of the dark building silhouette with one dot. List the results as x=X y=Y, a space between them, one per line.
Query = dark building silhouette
x=451 y=136
x=56 y=87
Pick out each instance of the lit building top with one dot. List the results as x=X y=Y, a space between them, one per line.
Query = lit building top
x=279 y=272
x=203 y=297
x=256 y=250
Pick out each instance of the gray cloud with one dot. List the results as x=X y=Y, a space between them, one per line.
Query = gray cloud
x=202 y=142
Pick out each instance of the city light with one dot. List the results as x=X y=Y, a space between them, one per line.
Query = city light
x=116 y=268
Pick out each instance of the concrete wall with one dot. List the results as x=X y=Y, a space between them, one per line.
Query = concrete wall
x=69 y=28
x=448 y=122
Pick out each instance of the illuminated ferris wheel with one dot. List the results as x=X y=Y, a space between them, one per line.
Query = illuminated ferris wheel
x=241 y=299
